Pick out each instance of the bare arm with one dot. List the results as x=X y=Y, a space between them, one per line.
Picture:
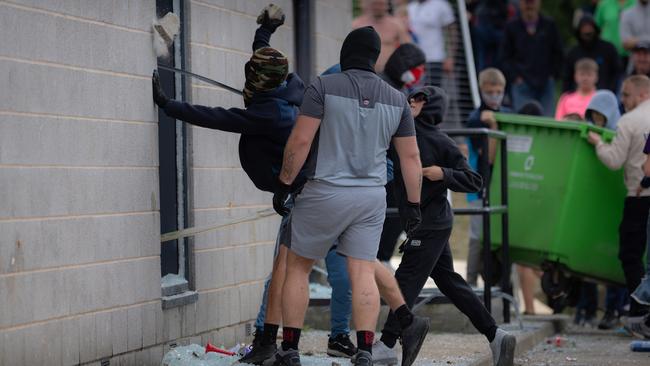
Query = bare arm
x=402 y=33
x=488 y=117
x=646 y=167
x=409 y=158
x=450 y=40
x=297 y=148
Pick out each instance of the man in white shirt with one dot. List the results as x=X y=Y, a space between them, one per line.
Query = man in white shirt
x=432 y=23
x=627 y=151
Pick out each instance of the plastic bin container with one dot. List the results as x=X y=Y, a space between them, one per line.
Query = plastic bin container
x=565 y=206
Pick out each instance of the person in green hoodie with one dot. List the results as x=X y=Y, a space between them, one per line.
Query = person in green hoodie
x=608 y=16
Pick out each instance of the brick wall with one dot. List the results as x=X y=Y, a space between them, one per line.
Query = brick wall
x=79 y=213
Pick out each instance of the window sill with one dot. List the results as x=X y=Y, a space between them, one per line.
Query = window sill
x=176 y=292
x=182 y=299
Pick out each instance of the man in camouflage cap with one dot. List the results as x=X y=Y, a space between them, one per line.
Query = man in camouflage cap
x=268 y=67
x=271 y=97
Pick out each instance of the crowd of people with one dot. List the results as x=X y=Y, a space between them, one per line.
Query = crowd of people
x=608 y=64
x=365 y=135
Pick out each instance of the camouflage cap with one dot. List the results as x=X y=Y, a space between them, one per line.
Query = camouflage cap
x=265 y=71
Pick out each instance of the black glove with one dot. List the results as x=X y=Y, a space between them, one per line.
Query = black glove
x=159 y=96
x=271 y=17
x=281 y=197
x=413 y=217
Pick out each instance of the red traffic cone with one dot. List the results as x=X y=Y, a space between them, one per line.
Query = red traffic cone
x=211 y=348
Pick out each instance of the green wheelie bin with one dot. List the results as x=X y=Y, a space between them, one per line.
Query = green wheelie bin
x=564 y=205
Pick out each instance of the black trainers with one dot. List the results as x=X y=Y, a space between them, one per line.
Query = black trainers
x=287 y=358
x=341 y=346
x=362 y=358
x=609 y=321
x=412 y=339
x=259 y=353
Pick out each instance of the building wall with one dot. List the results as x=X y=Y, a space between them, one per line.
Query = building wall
x=79 y=214
x=333 y=19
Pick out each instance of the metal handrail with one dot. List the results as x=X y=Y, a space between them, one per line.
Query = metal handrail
x=469 y=53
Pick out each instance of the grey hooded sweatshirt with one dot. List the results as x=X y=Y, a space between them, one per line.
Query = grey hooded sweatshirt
x=605 y=103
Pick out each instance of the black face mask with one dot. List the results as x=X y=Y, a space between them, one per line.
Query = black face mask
x=360 y=49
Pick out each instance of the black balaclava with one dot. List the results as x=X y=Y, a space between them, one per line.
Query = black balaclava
x=434 y=109
x=360 y=49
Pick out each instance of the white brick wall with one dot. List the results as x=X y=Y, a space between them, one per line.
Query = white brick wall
x=79 y=212
x=333 y=21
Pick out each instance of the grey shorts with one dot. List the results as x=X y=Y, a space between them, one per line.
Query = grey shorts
x=324 y=213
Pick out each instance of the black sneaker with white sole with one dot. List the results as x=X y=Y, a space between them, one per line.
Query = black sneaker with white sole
x=341 y=346
x=412 y=338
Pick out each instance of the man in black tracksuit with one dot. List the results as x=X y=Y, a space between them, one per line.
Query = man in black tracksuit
x=426 y=252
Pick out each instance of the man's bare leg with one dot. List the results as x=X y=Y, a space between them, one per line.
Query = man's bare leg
x=365 y=294
x=388 y=287
x=273 y=314
x=274 y=304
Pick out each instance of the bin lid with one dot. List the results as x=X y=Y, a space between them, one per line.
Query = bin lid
x=582 y=128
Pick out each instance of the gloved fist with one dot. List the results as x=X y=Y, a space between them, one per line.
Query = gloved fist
x=413 y=217
x=281 y=197
x=271 y=17
x=159 y=96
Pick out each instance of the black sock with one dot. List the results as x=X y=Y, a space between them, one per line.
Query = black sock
x=290 y=338
x=404 y=316
x=365 y=339
x=389 y=339
x=270 y=334
x=637 y=309
x=491 y=333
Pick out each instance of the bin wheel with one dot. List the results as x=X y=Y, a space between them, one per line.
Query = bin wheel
x=556 y=287
x=496 y=270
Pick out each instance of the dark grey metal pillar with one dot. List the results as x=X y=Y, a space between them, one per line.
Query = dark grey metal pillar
x=303 y=13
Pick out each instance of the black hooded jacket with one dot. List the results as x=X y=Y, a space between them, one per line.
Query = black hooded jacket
x=404 y=58
x=436 y=148
x=264 y=126
x=603 y=52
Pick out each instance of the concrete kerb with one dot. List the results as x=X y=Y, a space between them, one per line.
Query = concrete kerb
x=551 y=325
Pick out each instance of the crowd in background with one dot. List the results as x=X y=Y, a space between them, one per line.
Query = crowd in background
x=524 y=65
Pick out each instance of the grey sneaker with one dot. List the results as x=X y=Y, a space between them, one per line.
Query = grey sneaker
x=382 y=355
x=503 y=348
x=290 y=357
x=636 y=325
x=362 y=358
x=412 y=339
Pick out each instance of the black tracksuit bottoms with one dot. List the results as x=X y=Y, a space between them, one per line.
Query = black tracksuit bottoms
x=632 y=245
x=431 y=257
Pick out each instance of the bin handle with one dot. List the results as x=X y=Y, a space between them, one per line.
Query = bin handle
x=606 y=135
